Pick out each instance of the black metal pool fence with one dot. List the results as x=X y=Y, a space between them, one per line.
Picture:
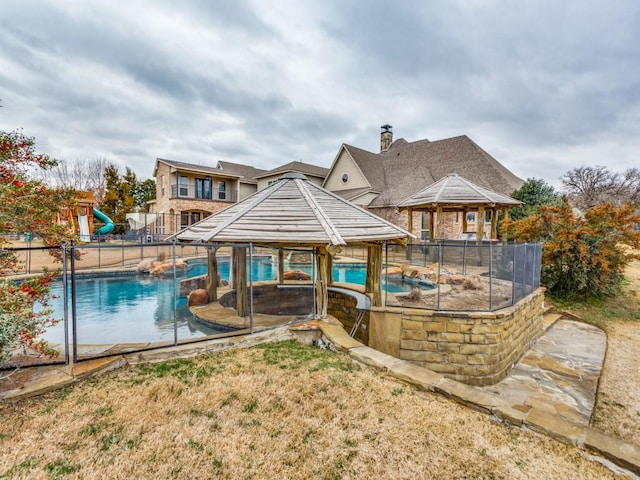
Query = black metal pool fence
x=506 y=273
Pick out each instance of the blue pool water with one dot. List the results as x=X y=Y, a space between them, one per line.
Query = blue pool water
x=136 y=308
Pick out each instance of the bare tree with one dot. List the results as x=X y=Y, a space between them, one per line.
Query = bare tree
x=630 y=186
x=587 y=187
x=79 y=174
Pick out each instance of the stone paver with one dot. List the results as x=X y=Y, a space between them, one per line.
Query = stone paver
x=559 y=375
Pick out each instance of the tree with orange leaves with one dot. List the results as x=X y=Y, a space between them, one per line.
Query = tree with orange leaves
x=582 y=255
x=26 y=205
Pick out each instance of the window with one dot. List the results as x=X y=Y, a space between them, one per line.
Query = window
x=487 y=216
x=162 y=186
x=222 y=190
x=184 y=187
x=471 y=217
x=424 y=230
x=184 y=219
x=195 y=217
x=203 y=188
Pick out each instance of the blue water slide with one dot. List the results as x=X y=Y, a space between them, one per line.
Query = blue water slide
x=108 y=223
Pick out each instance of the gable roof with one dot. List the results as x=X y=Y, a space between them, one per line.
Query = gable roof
x=299 y=167
x=247 y=172
x=293 y=211
x=192 y=167
x=454 y=190
x=407 y=167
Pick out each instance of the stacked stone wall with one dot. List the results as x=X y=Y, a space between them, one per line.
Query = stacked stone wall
x=474 y=348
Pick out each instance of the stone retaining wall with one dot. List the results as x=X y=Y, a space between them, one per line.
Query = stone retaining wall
x=477 y=348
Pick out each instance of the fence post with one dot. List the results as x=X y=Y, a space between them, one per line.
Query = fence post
x=490 y=276
x=65 y=302
x=175 y=298
x=464 y=258
x=439 y=269
x=74 y=330
x=250 y=287
x=513 y=276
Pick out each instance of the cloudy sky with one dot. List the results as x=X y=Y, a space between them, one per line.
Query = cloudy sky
x=543 y=86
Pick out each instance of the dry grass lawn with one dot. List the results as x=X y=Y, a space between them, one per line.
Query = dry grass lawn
x=275 y=411
x=617 y=409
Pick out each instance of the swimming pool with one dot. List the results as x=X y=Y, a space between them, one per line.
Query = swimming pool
x=139 y=309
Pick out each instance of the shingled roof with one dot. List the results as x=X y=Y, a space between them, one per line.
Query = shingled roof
x=296 y=166
x=407 y=167
x=293 y=211
x=195 y=168
x=455 y=190
x=247 y=172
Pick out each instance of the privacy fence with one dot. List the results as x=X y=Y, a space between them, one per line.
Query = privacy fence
x=122 y=297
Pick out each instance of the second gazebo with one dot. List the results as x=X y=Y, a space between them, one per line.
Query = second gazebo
x=454 y=193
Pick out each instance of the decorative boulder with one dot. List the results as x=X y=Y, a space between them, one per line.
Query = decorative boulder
x=166 y=268
x=472 y=283
x=198 y=297
x=296 y=275
x=145 y=266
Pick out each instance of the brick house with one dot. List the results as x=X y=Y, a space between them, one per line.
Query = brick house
x=186 y=193
x=380 y=181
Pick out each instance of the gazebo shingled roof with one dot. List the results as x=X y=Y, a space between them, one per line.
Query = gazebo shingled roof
x=452 y=190
x=455 y=193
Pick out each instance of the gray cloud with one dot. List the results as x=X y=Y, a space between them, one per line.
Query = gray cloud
x=543 y=86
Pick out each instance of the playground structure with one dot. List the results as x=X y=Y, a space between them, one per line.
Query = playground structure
x=81 y=217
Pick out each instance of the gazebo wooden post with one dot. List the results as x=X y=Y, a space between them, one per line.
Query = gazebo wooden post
x=440 y=220
x=322 y=294
x=280 y=266
x=373 y=285
x=212 y=274
x=480 y=232
x=409 y=252
x=506 y=217
x=240 y=280
x=494 y=223
x=480 y=224
x=432 y=225
x=465 y=227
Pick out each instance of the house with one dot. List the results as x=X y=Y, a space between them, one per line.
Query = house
x=313 y=173
x=380 y=181
x=187 y=193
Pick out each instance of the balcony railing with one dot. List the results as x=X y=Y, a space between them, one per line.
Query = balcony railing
x=190 y=192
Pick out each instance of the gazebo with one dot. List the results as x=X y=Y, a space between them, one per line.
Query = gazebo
x=454 y=193
x=295 y=213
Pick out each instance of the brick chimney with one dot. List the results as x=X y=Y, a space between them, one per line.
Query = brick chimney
x=386 y=137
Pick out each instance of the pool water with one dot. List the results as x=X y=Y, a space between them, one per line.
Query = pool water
x=139 y=309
